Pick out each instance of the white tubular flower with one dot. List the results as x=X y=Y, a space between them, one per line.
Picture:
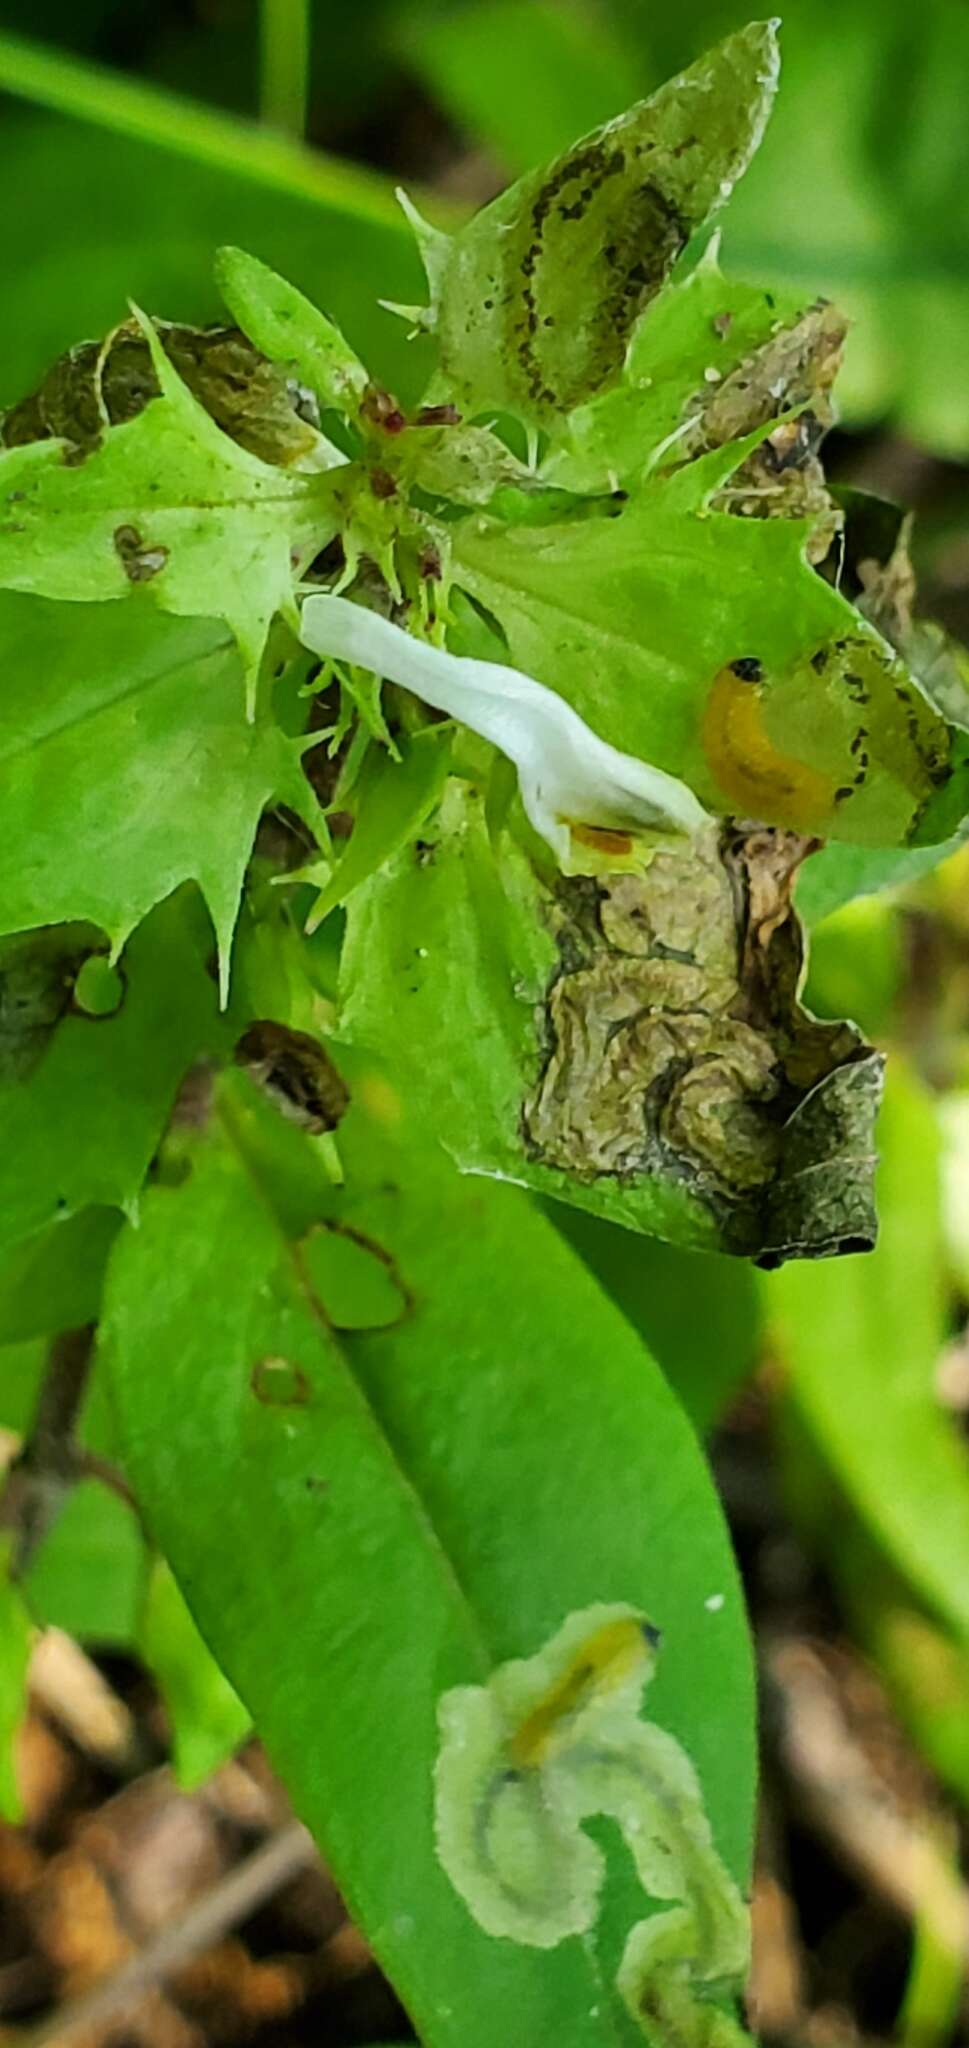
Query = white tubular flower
x=572 y=782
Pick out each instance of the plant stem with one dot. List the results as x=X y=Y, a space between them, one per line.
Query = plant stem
x=48 y=1466
x=284 y=65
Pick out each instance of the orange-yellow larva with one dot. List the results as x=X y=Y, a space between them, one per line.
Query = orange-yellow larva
x=760 y=781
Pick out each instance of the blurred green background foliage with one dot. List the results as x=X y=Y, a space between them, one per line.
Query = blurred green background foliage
x=861 y=187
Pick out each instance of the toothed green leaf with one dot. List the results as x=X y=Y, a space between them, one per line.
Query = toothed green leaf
x=695 y=338
x=532 y=304
x=128 y=766
x=167 y=511
x=706 y=644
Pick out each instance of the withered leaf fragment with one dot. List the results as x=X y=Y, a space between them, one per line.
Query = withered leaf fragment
x=636 y=1045
x=877 y=554
x=792 y=373
x=296 y=1072
x=101 y=384
x=676 y=1045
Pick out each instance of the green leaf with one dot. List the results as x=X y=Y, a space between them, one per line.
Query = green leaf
x=52 y=1280
x=533 y=302
x=169 y=509
x=129 y=767
x=861 y=1342
x=288 y=329
x=391 y=800
x=398 y=1513
x=88 y=1575
x=692 y=340
x=772 y=698
x=206 y=180
x=82 y=1125
x=15 y=1639
x=208 y=1719
x=585 y=73
x=836 y=875
x=21 y=1366
x=657 y=1286
x=630 y=1045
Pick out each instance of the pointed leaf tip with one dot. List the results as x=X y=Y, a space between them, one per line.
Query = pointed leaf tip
x=434 y=246
x=535 y=299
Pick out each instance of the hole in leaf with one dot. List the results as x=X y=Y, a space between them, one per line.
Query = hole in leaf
x=356 y=1282
x=279 y=1383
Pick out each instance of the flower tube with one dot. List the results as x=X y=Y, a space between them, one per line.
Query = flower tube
x=573 y=784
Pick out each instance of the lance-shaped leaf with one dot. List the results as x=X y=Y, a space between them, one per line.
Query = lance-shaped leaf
x=705 y=644
x=877 y=1420
x=52 y=1280
x=632 y=1045
x=129 y=766
x=532 y=303
x=363 y=1523
x=288 y=329
x=207 y=1720
x=168 y=510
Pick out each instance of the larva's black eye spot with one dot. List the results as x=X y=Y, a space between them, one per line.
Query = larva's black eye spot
x=748 y=669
